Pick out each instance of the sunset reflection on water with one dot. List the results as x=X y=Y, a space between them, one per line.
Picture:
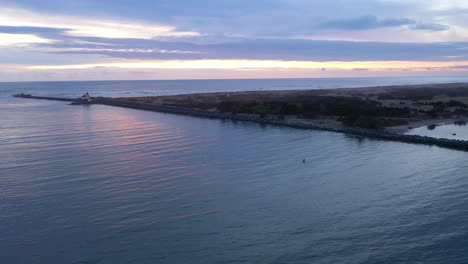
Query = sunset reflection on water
x=83 y=184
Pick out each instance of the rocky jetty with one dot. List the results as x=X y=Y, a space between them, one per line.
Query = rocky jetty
x=369 y=133
x=377 y=134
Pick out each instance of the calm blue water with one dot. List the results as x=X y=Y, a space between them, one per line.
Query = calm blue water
x=100 y=184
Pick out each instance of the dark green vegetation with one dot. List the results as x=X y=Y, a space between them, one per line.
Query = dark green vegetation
x=426 y=102
x=373 y=107
x=423 y=93
x=350 y=111
x=442 y=109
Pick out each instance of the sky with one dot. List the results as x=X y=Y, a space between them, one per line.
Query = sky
x=55 y=40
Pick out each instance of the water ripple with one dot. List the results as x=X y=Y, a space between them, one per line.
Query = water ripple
x=111 y=185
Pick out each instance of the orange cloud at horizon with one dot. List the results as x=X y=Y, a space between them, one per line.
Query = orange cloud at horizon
x=263 y=64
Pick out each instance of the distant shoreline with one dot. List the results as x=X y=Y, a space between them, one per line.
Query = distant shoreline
x=228 y=79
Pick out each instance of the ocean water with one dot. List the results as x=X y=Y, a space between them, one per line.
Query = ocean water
x=101 y=184
x=150 y=88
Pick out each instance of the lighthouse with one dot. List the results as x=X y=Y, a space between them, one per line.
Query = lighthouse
x=85 y=99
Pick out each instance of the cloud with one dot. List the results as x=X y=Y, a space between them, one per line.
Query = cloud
x=259 y=64
x=460 y=67
x=372 y=22
x=431 y=27
x=263 y=49
x=25 y=20
x=90 y=32
x=243 y=18
x=99 y=50
x=109 y=29
x=150 y=9
x=364 y=23
x=20 y=39
x=31 y=30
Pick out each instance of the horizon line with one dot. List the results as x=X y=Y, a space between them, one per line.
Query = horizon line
x=214 y=79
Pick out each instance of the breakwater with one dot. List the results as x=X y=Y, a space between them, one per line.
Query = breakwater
x=28 y=96
x=376 y=134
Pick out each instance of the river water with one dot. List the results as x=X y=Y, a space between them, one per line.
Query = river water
x=101 y=184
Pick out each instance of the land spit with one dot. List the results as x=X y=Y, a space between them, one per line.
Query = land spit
x=176 y=106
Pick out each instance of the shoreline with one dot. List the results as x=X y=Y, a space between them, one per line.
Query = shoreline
x=375 y=134
x=176 y=106
x=423 y=123
x=406 y=106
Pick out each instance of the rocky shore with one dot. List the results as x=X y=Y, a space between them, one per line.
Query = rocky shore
x=369 y=133
x=377 y=134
